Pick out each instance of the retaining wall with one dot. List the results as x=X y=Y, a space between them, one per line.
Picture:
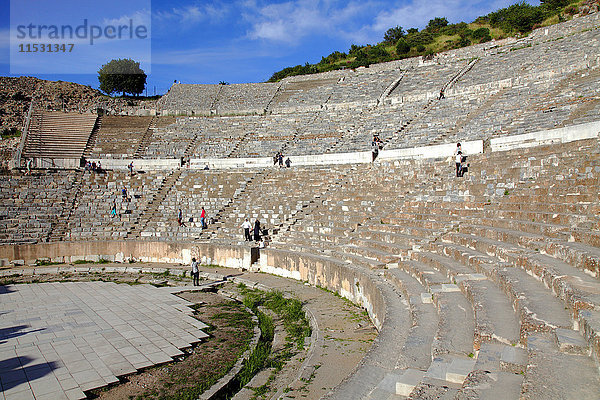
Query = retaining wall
x=437 y=151
x=139 y=163
x=351 y=283
x=123 y=251
x=590 y=130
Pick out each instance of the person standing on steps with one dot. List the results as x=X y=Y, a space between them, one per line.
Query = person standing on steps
x=113 y=210
x=130 y=166
x=257 y=230
x=203 y=218
x=288 y=163
x=458 y=156
x=180 y=218
x=442 y=96
x=458 y=160
x=247 y=226
x=195 y=273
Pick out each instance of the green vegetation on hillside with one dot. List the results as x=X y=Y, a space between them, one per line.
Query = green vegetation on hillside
x=439 y=35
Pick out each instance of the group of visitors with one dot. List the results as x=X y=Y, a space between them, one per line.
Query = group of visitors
x=278 y=159
x=203 y=220
x=93 y=166
x=376 y=145
x=247 y=226
x=460 y=158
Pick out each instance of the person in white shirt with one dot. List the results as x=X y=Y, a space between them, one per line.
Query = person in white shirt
x=246 y=226
x=458 y=155
x=195 y=273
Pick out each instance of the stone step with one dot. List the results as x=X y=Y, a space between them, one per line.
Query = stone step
x=498 y=373
x=555 y=374
x=416 y=352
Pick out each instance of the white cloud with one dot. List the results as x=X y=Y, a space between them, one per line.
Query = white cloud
x=140 y=17
x=192 y=14
x=290 y=21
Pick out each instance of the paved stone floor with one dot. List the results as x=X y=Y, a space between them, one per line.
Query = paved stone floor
x=58 y=340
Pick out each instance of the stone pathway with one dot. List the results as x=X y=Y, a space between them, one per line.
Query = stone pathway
x=58 y=340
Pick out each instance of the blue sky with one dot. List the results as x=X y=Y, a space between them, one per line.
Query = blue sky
x=247 y=40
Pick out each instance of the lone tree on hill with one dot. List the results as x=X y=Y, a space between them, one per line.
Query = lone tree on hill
x=122 y=75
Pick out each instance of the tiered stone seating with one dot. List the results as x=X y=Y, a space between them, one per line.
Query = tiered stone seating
x=198 y=136
x=362 y=87
x=499 y=238
x=245 y=98
x=186 y=98
x=425 y=79
x=194 y=189
x=120 y=136
x=58 y=135
x=91 y=217
x=31 y=205
x=274 y=198
x=298 y=94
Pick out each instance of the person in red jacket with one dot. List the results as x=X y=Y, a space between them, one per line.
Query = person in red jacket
x=203 y=218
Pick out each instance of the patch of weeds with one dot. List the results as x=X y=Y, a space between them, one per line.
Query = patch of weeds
x=100 y=261
x=506 y=193
x=260 y=391
x=471 y=355
x=43 y=263
x=9 y=279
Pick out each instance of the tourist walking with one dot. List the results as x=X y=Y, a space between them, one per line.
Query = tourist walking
x=442 y=96
x=247 y=226
x=130 y=166
x=113 y=210
x=288 y=162
x=257 y=230
x=195 y=273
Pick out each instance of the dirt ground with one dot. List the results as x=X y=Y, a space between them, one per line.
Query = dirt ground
x=342 y=337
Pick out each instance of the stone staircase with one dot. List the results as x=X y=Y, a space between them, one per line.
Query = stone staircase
x=89 y=147
x=146 y=138
x=59 y=230
x=123 y=136
x=137 y=229
x=54 y=134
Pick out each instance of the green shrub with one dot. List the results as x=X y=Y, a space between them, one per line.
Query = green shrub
x=571 y=10
x=520 y=17
x=415 y=39
x=480 y=33
x=402 y=47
